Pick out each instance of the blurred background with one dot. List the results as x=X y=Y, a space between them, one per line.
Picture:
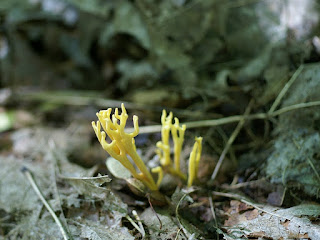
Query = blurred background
x=61 y=61
x=196 y=54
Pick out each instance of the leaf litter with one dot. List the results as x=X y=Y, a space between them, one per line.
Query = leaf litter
x=67 y=195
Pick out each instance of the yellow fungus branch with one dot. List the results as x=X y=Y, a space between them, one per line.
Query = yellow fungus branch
x=159 y=171
x=194 y=161
x=166 y=122
x=177 y=132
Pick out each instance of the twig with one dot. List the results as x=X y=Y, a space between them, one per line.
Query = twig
x=263 y=210
x=55 y=172
x=33 y=184
x=243 y=184
x=136 y=225
x=178 y=232
x=177 y=212
x=135 y=214
x=295 y=107
x=213 y=214
x=148 y=196
x=242 y=199
x=228 y=195
x=230 y=141
x=285 y=89
x=232 y=119
x=314 y=168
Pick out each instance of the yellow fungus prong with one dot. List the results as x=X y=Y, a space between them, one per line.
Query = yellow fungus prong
x=163 y=145
x=135 y=127
x=178 y=139
x=198 y=156
x=159 y=171
x=164 y=154
x=194 y=161
x=116 y=113
x=123 y=109
x=166 y=122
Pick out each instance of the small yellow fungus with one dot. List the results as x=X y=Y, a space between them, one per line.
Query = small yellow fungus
x=122 y=144
x=163 y=150
x=194 y=160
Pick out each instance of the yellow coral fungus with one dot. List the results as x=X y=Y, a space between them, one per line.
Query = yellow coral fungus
x=163 y=150
x=122 y=144
x=164 y=146
x=194 y=160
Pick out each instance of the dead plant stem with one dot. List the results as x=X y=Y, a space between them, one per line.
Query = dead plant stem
x=35 y=187
x=285 y=89
x=230 y=141
x=232 y=119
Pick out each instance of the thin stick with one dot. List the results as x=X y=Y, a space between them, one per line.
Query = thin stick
x=178 y=232
x=33 y=184
x=243 y=184
x=263 y=210
x=213 y=215
x=230 y=141
x=295 y=107
x=314 y=168
x=232 y=119
x=135 y=214
x=135 y=225
x=177 y=212
x=285 y=89
x=228 y=195
x=242 y=199
x=148 y=196
x=55 y=172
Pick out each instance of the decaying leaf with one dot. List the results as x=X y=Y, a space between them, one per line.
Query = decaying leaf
x=169 y=227
x=95 y=231
x=270 y=222
x=87 y=185
x=18 y=198
x=16 y=194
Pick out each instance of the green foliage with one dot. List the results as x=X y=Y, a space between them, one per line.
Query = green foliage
x=295 y=158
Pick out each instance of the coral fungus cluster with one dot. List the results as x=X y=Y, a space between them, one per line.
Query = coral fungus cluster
x=122 y=147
